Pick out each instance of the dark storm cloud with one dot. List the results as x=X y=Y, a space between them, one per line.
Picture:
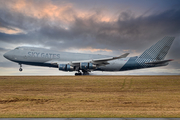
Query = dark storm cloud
x=4 y=24
x=10 y=19
x=127 y=32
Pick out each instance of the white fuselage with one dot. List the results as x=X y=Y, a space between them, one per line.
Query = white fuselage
x=40 y=57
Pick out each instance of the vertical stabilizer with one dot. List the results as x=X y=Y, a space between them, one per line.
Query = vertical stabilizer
x=159 y=50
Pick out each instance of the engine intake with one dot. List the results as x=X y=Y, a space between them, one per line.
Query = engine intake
x=85 y=66
x=65 y=67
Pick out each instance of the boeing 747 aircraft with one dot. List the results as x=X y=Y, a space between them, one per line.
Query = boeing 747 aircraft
x=85 y=63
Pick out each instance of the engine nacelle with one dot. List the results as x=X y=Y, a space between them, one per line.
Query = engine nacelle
x=65 y=67
x=86 y=66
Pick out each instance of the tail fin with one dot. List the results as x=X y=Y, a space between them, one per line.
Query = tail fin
x=159 y=50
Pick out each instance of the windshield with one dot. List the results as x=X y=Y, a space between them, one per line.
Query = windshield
x=18 y=48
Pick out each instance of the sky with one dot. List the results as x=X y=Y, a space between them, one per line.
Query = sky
x=110 y=27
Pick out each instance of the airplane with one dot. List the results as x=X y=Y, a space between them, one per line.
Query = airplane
x=85 y=63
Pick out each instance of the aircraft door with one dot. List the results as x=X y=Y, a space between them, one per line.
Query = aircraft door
x=25 y=56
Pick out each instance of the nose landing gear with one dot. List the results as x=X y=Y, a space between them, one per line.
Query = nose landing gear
x=20 y=69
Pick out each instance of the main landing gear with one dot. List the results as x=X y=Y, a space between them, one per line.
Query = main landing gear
x=79 y=73
x=82 y=73
x=20 y=69
x=85 y=73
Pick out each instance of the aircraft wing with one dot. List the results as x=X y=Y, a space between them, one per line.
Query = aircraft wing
x=159 y=62
x=94 y=61
x=111 y=58
x=104 y=61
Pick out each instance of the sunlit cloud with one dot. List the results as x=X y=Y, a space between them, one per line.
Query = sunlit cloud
x=89 y=50
x=94 y=49
x=11 y=31
x=125 y=50
x=40 y=9
x=65 y=12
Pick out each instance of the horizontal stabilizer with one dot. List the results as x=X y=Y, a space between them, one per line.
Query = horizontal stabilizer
x=159 y=62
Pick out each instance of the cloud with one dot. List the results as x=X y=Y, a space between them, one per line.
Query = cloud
x=94 y=50
x=91 y=29
x=4 y=49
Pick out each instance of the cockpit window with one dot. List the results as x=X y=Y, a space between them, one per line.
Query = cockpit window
x=18 y=48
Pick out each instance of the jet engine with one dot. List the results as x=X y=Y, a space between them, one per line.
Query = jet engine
x=65 y=67
x=85 y=65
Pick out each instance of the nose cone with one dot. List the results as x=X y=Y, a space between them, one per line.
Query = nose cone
x=6 y=55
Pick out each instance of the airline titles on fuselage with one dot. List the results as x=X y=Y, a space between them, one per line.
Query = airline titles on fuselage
x=44 y=55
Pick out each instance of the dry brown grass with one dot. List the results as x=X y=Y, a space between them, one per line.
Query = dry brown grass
x=90 y=96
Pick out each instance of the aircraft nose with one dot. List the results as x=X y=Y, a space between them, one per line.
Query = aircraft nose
x=6 y=55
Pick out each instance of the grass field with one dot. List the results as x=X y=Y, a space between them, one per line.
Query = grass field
x=90 y=96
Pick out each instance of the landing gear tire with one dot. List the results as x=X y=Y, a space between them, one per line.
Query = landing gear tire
x=20 y=69
x=78 y=73
x=85 y=73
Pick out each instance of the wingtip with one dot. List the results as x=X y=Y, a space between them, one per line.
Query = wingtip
x=126 y=54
